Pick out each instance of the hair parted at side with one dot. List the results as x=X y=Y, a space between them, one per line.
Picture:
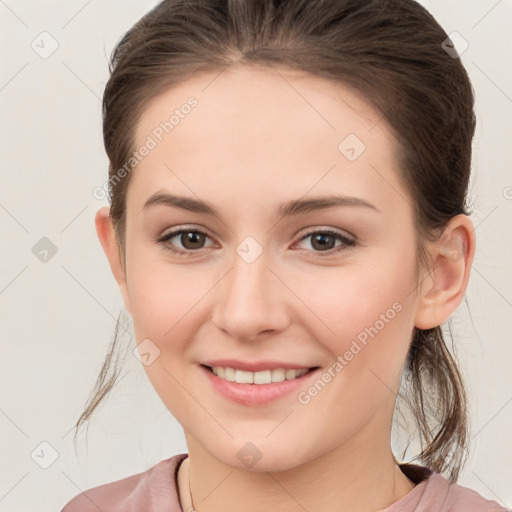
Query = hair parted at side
x=388 y=51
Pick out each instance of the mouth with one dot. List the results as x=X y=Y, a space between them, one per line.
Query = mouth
x=262 y=377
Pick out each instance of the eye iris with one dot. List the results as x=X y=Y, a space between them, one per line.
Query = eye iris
x=320 y=237
x=194 y=237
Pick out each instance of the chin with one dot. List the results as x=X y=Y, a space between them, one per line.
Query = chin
x=260 y=457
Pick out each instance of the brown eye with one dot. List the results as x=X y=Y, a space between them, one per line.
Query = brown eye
x=322 y=241
x=184 y=241
x=325 y=242
x=192 y=239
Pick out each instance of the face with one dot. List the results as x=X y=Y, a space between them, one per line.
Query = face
x=301 y=286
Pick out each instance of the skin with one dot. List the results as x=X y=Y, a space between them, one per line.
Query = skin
x=259 y=137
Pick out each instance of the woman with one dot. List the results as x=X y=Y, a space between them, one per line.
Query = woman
x=289 y=232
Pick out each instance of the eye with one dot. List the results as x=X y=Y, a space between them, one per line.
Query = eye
x=323 y=241
x=191 y=240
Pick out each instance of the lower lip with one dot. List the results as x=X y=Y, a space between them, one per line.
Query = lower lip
x=256 y=394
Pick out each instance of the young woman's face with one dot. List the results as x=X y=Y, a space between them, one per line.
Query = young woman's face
x=260 y=286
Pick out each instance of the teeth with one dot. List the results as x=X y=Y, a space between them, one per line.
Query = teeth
x=263 y=377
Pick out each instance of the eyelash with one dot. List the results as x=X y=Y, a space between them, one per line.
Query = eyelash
x=347 y=243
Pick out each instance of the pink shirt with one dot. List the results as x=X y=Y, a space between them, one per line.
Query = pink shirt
x=156 y=490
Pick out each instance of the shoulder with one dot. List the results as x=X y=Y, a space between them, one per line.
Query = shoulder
x=151 y=491
x=434 y=492
x=450 y=497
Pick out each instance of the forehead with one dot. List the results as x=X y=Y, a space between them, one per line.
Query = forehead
x=254 y=126
x=264 y=93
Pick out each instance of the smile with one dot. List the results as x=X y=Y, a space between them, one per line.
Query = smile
x=258 y=378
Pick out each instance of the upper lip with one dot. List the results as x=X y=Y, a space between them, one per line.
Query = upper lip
x=254 y=366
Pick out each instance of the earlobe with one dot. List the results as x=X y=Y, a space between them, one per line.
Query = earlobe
x=107 y=237
x=442 y=291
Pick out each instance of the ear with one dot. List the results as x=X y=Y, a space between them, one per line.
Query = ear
x=108 y=240
x=443 y=289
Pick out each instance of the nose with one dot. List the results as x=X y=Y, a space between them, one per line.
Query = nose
x=250 y=301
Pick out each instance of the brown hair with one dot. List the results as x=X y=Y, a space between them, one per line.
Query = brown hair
x=389 y=51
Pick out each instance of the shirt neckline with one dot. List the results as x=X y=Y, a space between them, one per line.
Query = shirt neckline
x=418 y=474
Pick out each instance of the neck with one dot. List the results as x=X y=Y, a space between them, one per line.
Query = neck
x=345 y=480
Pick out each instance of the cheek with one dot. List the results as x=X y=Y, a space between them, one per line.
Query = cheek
x=162 y=294
x=165 y=304
x=368 y=352
x=356 y=298
x=366 y=318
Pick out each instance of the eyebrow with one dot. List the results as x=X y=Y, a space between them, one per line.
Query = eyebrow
x=288 y=209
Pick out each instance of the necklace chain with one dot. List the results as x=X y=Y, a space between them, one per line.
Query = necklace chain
x=190 y=492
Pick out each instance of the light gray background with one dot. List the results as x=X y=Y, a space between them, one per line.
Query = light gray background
x=57 y=318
